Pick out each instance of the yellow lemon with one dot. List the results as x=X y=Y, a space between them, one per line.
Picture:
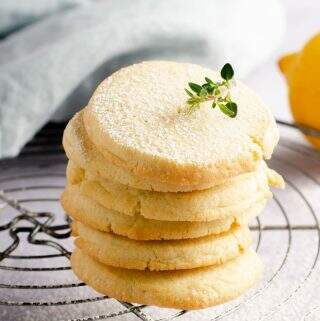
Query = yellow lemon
x=302 y=71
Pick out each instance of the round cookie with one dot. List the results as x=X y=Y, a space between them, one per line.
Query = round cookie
x=181 y=289
x=119 y=251
x=79 y=148
x=133 y=119
x=162 y=211
x=129 y=200
x=85 y=210
x=84 y=154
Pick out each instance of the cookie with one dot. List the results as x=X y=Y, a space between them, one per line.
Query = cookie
x=89 y=212
x=150 y=204
x=80 y=149
x=180 y=289
x=133 y=119
x=163 y=212
x=119 y=251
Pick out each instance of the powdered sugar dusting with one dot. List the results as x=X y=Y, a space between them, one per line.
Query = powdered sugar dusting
x=137 y=110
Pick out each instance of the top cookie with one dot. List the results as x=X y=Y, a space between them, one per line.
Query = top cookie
x=133 y=120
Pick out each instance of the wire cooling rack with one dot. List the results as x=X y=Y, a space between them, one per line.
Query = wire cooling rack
x=36 y=282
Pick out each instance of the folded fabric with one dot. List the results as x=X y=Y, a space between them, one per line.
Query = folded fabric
x=49 y=69
x=15 y=14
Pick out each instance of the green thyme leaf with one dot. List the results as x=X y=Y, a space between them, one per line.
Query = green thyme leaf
x=227 y=72
x=229 y=109
x=195 y=87
x=208 y=87
x=217 y=92
x=189 y=92
x=208 y=80
x=225 y=110
x=203 y=92
x=233 y=108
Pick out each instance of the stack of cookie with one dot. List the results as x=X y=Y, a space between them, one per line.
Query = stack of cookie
x=160 y=200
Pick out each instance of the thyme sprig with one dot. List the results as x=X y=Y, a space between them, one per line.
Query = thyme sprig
x=217 y=92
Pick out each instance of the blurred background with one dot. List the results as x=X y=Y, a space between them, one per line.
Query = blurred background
x=53 y=53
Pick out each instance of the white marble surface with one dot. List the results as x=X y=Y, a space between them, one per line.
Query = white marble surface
x=303 y=21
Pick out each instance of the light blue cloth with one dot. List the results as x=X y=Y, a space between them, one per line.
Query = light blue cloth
x=48 y=70
x=15 y=15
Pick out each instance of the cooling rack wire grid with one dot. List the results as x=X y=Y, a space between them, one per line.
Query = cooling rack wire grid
x=36 y=282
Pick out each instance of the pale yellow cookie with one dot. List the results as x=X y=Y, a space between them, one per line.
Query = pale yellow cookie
x=233 y=191
x=85 y=210
x=181 y=289
x=83 y=153
x=203 y=203
x=74 y=173
x=119 y=251
x=162 y=211
x=79 y=148
x=133 y=119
